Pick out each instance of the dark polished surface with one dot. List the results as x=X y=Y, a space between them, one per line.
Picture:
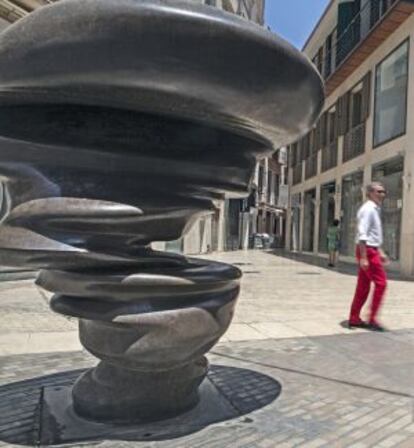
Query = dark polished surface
x=121 y=121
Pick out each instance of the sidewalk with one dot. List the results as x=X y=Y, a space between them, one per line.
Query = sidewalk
x=293 y=374
x=343 y=266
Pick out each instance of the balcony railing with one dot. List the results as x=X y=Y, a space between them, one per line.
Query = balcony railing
x=347 y=47
x=297 y=174
x=311 y=166
x=360 y=26
x=354 y=142
x=330 y=156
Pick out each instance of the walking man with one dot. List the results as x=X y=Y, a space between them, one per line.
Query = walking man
x=371 y=259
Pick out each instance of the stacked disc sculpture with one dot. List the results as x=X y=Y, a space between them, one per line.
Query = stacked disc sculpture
x=121 y=123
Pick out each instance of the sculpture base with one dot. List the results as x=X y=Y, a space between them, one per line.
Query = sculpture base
x=59 y=424
x=116 y=394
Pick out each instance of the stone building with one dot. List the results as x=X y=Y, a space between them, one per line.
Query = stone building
x=231 y=226
x=364 y=51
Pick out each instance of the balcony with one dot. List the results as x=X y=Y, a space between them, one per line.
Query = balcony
x=369 y=28
x=297 y=174
x=354 y=143
x=330 y=156
x=311 y=166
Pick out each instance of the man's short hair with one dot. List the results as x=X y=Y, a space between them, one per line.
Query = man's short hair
x=373 y=186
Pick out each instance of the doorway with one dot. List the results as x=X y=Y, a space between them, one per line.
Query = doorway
x=309 y=220
x=326 y=214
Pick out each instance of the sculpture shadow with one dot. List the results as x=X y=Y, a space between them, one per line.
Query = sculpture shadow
x=26 y=418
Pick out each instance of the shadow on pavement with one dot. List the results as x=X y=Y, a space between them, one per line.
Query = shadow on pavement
x=342 y=267
x=227 y=393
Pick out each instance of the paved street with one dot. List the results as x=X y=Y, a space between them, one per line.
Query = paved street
x=292 y=373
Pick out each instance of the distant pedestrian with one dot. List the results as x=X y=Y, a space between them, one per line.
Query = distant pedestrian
x=371 y=259
x=333 y=238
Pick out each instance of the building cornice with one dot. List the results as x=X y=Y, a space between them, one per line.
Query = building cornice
x=315 y=28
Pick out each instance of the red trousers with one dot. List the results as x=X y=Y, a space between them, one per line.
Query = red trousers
x=376 y=274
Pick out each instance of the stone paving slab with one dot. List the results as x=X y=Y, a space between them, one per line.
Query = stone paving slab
x=330 y=397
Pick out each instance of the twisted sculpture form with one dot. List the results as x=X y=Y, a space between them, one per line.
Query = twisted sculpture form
x=120 y=122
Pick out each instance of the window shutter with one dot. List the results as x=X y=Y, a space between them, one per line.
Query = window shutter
x=366 y=96
x=343 y=113
x=323 y=131
x=346 y=114
x=292 y=155
x=315 y=145
x=317 y=137
x=295 y=154
x=336 y=123
x=339 y=112
x=302 y=149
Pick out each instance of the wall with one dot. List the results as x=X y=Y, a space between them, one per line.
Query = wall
x=397 y=147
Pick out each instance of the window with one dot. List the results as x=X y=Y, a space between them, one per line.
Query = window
x=351 y=201
x=329 y=138
x=276 y=188
x=269 y=196
x=261 y=179
x=320 y=60
x=326 y=213
x=331 y=125
x=328 y=56
x=391 y=96
x=390 y=173
x=356 y=108
x=309 y=220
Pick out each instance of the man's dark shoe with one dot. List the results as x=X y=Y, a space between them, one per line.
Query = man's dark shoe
x=360 y=324
x=376 y=327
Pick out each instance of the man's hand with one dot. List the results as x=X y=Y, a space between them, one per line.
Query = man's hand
x=364 y=264
x=384 y=258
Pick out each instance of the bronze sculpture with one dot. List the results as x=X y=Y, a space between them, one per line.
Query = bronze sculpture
x=120 y=122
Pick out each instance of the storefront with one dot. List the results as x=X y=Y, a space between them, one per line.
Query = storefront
x=309 y=220
x=295 y=222
x=326 y=214
x=352 y=198
x=390 y=173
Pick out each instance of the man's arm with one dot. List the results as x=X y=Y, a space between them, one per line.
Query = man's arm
x=384 y=256
x=363 y=226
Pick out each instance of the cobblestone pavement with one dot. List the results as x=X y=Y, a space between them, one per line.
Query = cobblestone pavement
x=339 y=388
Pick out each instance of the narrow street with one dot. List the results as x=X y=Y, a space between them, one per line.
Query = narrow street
x=295 y=376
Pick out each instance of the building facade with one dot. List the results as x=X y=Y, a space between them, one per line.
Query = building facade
x=269 y=213
x=365 y=52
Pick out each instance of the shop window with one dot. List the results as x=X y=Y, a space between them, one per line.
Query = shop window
x=326 y=214
x=309 y=220
x=390 y=174
x=391 y=96
x=295 y=222
x=352 y=198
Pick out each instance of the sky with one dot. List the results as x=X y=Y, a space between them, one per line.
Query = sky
x=294 y=19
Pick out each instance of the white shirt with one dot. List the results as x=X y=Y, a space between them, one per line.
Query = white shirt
x=369 y=224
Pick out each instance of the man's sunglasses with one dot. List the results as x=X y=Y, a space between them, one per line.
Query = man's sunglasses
x=381 y=191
